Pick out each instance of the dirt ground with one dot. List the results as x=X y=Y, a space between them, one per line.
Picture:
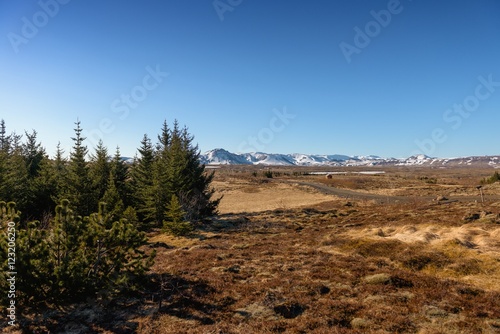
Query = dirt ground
x=299 y=253
x=242 y=196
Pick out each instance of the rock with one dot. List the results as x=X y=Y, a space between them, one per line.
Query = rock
x=471 y=217
x=360 y=323
x=377 y=279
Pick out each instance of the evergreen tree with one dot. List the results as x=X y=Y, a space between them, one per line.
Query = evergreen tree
x=4 y=154
x=161 y=187
x=79 y=186
x=74 y=258
x=142 y=180
x=130 y=215
x=36 y=200
x=176 y=170
x=33 y=153
x=60 y=172
x=45 y=188
x=5 y=192
x=175 y=222
x=3 y=175
x=15 y=145
x=189 y=180
x=4 y=139
x=121 y=177
x=99 y=170
x=17 y=180
x=112 y=197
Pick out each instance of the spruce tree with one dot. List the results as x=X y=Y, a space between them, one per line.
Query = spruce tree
x=4 y=138
x=39 y=185
x=173 y=169
x=44 y=187
x=99 y=170
x=60 y=172
x=175 y=219
x=190 y=182
x=120 y=172
x=162 y=187
x=112 y=197
x=33 y=153
x=142 y=180
x=15 y=144
x=17 y=179
x=4 y=154
x=79 y=184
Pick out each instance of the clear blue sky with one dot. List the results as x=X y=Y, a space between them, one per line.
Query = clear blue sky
x=233 y=65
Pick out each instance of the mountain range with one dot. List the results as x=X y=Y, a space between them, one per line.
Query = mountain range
x=220 y=156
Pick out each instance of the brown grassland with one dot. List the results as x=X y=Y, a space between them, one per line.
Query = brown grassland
x=414 y=250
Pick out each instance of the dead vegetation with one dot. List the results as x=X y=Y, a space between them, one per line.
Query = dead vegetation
x=325 y=265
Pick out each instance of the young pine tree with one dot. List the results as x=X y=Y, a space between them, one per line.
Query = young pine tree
x=120 y=172
x=4 y=155
x=78 y=187
x=112 y=197
x=59 y=173
x=187 y=175
x=142 y=180
x=162 y=187
x=197 y=196
x=175 y=222
x=39 y=184
x=99 y=170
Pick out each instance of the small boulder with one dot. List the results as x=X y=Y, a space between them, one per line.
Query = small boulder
x=441 y=199
x=377 y=279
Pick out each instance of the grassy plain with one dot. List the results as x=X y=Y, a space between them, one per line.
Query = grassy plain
x=300 y=253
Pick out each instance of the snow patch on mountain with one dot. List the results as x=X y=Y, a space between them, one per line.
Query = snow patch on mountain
x=222 y=157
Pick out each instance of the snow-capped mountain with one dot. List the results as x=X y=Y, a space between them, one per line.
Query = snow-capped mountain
x=222 y=157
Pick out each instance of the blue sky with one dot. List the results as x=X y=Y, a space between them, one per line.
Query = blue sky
x=390 y=78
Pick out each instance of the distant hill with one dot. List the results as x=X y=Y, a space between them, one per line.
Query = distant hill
x=220 y=156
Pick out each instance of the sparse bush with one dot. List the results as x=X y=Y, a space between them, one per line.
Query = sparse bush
x=420 y=261
x=429 y=180
x=492 y=179
x=268 y=174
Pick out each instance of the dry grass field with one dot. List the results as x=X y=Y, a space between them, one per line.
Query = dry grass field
x=300 y=253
